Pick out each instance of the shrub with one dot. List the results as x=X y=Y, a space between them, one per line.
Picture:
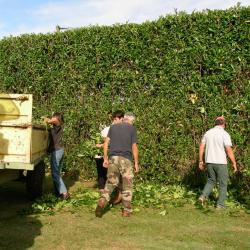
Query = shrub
x=176 y=74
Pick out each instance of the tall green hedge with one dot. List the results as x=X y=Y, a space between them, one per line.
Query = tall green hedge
x=176 y=74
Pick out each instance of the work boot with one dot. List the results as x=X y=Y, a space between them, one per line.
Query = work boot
x=100 y=207
x=126 y=213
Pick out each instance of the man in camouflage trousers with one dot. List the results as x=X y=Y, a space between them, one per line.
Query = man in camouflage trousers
x=122 y=143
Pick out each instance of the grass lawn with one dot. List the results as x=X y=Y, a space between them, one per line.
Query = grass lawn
x=180 y=228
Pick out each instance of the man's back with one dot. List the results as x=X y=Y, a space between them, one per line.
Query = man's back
x=122 y=137
x=216 y=139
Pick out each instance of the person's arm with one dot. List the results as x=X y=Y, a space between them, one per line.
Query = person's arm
x=201 y=152
x=50 y=121
x=105 y=152
x=230 y=154
x=99 y=145
x=136 y=157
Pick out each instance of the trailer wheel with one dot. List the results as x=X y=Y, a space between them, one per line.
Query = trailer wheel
x=34 y=183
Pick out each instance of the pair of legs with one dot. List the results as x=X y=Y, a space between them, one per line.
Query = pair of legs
x=217 y=173
x=56 y=164
x=101 y=173
x=120 y=168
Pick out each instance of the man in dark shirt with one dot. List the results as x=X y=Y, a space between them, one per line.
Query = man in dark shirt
x=56 y=150
x=121 y=143
x=101 y=170
x=55 y=136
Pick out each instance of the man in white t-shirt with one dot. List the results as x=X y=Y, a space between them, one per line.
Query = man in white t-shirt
x=217 y=146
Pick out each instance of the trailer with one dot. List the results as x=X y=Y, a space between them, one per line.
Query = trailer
x=23 y=145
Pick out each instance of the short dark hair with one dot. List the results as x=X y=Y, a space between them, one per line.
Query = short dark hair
x=118 y=114
x=59 y=116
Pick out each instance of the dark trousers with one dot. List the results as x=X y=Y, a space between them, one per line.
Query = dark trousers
x=101 y=173
x=217 y=173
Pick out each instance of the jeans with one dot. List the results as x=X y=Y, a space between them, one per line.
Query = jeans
x=217 y=172
x=56 y=163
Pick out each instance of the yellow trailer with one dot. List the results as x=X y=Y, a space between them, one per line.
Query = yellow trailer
x=23 y=145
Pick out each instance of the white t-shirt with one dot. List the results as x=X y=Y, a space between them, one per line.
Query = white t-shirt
x=104 y=132
x=216 y=139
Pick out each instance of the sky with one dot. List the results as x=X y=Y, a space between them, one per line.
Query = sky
x=42 y=16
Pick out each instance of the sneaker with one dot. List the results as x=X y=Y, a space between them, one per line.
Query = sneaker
x=202 y=199
x=65 y=196
x=100 y=207
x=126 y=213
x=219 y=207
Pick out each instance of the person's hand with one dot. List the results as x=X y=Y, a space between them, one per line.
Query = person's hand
x=136 y=167
x=53 y=120
x=46 y=120
x=99 y=145
x=105 y=163
x=201 y=165
x=235 y=167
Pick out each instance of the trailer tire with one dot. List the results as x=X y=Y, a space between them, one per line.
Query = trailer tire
x=34 y=182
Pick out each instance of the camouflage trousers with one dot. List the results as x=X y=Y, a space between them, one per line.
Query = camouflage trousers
x=120 y=170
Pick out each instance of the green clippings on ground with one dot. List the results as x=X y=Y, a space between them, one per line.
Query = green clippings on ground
x=48 y=203
x=145 y=196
